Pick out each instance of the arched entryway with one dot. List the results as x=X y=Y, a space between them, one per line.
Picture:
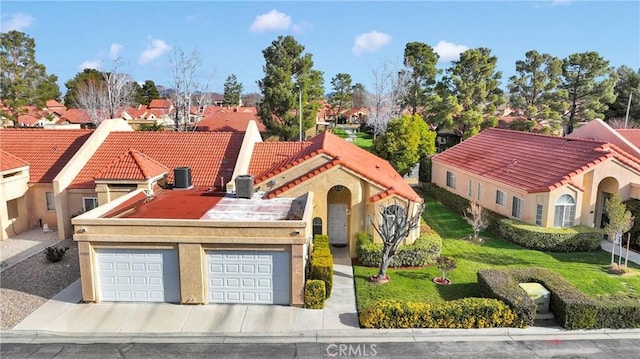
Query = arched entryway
x=338 y=205
x=606 y=188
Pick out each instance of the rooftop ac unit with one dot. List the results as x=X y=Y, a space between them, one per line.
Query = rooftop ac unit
x=244 y=186
x=182 y=178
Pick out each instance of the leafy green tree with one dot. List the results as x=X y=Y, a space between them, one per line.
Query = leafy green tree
x=84 y=79
x=232 y=91
x=628 y=84
x=589 y=82
x=620 y=220
x=535 y=90
x=420 y=75
x=406 y=140
x=151 y=127
x=289 y=74
x=23 y=81
x=147 y=92
x=469 y=94
x=342 y=92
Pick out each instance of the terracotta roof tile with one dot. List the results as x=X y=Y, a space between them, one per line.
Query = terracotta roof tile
x=76 y=115
x=632 y=135
x=211 y=156
x=530 y=162
x=228 y=119
x=160 y=104
x=349 y=155
x=46 y=151
x=9 y=161
x=132 y=165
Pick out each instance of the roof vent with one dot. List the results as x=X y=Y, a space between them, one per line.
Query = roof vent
x=244 y=186
x=182 y=178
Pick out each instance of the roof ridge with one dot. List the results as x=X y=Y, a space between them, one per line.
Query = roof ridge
x=583 y=139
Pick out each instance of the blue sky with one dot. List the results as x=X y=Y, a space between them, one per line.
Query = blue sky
x=351 y=37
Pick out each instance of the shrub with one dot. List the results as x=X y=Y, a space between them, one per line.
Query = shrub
x=322 y=262
x=421 y=252
x=572 y=239
x=461 y=313
x=314 y=294
x=617 y=314
x=498 y=284
x=445 y=264
x=54 y=255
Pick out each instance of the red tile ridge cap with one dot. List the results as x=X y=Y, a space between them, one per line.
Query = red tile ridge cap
x=287 y=166
x=382 y=195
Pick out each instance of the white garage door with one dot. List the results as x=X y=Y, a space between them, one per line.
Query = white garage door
x=248 y=277
x=138 y=275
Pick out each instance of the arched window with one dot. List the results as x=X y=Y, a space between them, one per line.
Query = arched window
x=317 y=226
x=565 y=211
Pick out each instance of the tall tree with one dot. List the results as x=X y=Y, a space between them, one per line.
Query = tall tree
x=232 y=91
x=23 y=81
x=472 y=86
x=289 y=79
x=628 y=84
x=535 y=90
x=384 y=98
x=589 y=82
x=147 y=92
x=359 y=96
x=406 y=140
x=119 y=89
x=420 y=75
x=342 y=92
x=81 y=79
x=91 y=96
x=251 y=99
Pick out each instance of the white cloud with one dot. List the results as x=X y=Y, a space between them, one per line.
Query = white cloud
x=449 y=51
x=16 y=22
x=114 y=51
x=370 y=42
x=156 y=49
x=273 y=20
x=90 y=64
x=560 y=2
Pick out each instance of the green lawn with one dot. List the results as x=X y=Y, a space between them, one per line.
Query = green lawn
x=364 y=140
x=586 y=270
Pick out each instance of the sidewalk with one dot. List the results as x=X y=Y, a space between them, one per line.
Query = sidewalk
x=633 y=256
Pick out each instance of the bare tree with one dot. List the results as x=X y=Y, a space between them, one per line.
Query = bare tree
x=620 y=123
x=476 y=216
x=119 y=89
x=394 y=226
x=383 y=102
x=187 y=88
x=91 y=96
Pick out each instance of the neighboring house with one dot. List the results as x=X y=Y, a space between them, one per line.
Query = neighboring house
x=218 y=216
x=626 y=139
x=37 y=156
x=77 y=116
x=542 y=180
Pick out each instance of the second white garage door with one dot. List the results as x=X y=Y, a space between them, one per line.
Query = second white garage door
x=250 y=277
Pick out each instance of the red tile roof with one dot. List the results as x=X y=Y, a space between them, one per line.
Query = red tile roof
x=347 y=154
x=632 y=135
x=132 y=165
x=28 y=119
x=212 y=156
x=228 y=119
x=46 y=151
x=186 y=204
x=9 y=161
x=76 y=115
x=527 y=161
x=269 y=157
x=160 y=104
x=54 y=105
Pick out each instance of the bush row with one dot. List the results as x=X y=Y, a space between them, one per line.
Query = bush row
x=572 y=239
x=571 y=308
x=321 y=268
x=314 y=294
x=423 y=251
x=461 y=313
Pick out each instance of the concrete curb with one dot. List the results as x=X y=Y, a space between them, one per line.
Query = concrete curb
x=327 y=336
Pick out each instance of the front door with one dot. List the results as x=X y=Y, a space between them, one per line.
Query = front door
x=337 y=223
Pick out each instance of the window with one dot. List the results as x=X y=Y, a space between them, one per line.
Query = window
x=565 y=211
x=51 y=201
x=501 y=199
x=89 y=203
x=451 y=180
x=516 y=207
x=317 y=226
x=12 y=208
x=538 y=214
x=470 y=188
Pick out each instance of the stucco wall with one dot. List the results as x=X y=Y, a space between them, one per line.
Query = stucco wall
x=13 y=189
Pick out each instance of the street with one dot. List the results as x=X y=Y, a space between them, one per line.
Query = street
x=613 y=348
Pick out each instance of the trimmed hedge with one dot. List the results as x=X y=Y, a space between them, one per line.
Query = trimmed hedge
x=322 y=262
x=571 y=308
x=461 y=313
x=572 y=239
x=421 y=252
x=314 y=294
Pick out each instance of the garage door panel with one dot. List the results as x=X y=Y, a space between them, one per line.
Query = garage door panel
x=260 y=277
x=138 y=275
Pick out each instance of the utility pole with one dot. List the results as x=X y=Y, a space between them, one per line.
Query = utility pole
x=300 y=111
x=626 y=118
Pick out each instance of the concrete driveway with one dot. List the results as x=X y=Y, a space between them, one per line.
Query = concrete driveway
x=64 y=314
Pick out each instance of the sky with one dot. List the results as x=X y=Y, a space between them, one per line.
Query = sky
x=353 y=37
